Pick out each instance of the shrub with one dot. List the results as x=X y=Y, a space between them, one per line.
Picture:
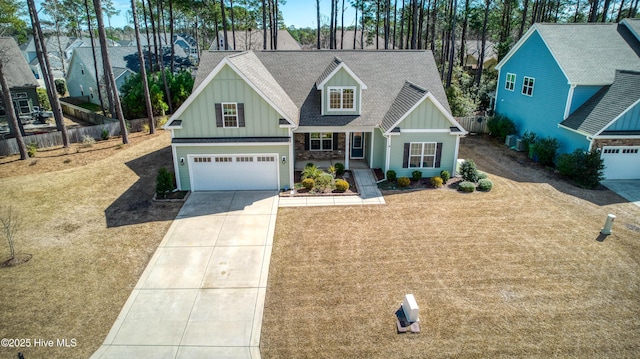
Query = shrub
x=339 y=169
x=309 y=164
x=501 y=126
x=308 y=183
x=104 y=135
x=32 y=149
x=481 y=175
x=311 y=171
x=43 y=99
x=416 y=175
x=332 y=170
x=545 y=150
x=466 y=186
x=436 y=181
x=61 y=86
x=391 y=175
x=585 y=169
x=324 y=181
x=403 y=181
x=162 y=121
x=445 y=176
x=164 y=182
x=342 y=185
x=469 y=171
x=88 y=141
x=528 y=139
x=485 y=184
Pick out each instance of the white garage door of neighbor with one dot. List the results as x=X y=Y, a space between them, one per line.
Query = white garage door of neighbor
x=621 y=162
x=233 y=172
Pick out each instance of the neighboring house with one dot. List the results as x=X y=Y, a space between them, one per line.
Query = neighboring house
x=253 y=115
x=567 y=81
x=22 y=83
x=81 y=78
x=59 y=49
x=473 y=51
x=185 y=45
x=252 y=40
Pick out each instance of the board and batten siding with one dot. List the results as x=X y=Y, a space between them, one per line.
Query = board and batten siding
x=426 y=115
x=378 y=149
x=340 y=79
x=446 y=160
x=185 y=151
x=542 y=112
x=629 y=121
x=199 y=119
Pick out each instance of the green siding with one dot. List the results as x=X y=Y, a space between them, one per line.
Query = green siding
x=199 y=119
x=379 y=146
x=184 y=151
x=446 y=162
x=341 y=78
x=426 y=115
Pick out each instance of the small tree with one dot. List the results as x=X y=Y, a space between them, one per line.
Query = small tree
x=469 y=171
x=10 y=221
x=61 y=87
x=585 y=169
x=43 y=99
x=164 y=182
x=501 y=126
x=545 y=150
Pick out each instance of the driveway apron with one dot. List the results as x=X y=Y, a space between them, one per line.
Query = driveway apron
x=202 y=293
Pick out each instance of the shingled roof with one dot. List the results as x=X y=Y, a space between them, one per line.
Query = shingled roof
x=15 y=67
x=606 y=105
x=384 y=72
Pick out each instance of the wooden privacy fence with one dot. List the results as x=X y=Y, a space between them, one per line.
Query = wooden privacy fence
x=474 y=124
x=83 y=114
x=52 y=139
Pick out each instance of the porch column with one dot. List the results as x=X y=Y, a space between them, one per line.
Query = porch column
x=347 y=149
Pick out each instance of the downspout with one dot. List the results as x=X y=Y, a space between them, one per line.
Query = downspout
x=455 y=157
x=291 y=158
x=567 y=107
x=388 y=155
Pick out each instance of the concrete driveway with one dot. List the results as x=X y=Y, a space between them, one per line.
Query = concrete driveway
x=628 y=189
x=202 y=293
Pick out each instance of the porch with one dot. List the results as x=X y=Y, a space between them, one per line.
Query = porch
x=324 y=149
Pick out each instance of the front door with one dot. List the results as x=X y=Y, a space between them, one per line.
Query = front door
x=357 y=142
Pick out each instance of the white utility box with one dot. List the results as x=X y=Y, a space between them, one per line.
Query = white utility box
x=410 y=308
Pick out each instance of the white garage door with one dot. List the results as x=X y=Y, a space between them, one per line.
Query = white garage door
x=621 y=162
x=233 y=172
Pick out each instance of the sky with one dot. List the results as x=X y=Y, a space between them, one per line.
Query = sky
x=299 y=13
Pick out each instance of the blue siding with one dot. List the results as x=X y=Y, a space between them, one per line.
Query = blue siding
x=581 y=94
x=630 y=121
x=542 y=112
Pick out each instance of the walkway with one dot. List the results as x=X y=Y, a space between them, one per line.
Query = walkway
x=202 y=293
x=368 y=190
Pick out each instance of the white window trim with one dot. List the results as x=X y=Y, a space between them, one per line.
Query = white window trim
x=224 y=125
x=524 y=81
x=422 y=155
x=321 y=139
x=507 y=82
x=342 y=108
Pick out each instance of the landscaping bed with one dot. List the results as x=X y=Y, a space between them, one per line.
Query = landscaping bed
x=299 y=190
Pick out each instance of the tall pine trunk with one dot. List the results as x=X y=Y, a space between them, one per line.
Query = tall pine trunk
x=167 y=92
x=95 y=59
x=143 y=70
x=155 y=34
x=173 y=50
x=10 y=111
x=45 y=66
x=331 y=30
x=106 y=63
x=264 y=23
x=318 y=24
x=233 y=26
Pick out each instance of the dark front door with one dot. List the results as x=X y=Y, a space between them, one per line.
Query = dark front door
x=357 y=145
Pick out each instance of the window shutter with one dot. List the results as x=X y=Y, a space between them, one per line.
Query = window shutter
x=241 y=122
x=306 y=141
x=218 y=115
x=335 y=140
x=438 y=154
x=405 y=159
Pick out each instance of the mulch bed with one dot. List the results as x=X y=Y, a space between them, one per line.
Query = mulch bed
x=301 y=191
x=423 y=184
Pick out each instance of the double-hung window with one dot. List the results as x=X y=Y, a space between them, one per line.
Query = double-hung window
x=527 y=86
x=321 y=141
x=510 y=82
x=422 y=154
x=230 y=114
x=342 y=98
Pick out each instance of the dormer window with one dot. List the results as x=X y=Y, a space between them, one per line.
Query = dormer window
x=342 y=98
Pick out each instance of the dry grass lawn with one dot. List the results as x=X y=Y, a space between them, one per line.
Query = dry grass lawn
x=89 y=221
x=518 y=271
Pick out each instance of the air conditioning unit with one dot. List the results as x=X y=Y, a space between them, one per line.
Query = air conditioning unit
x=520 y=145
x=510 y=141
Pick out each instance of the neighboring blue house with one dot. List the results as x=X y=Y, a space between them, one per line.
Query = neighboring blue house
x=558 y=74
